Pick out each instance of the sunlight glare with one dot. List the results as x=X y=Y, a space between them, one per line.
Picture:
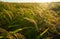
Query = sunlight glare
x=45 y=1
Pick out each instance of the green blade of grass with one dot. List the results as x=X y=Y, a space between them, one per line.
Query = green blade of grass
x=1 y=36
x=20 y=29
x=43 y=33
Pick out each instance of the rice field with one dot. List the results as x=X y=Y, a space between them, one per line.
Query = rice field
x=29 y=20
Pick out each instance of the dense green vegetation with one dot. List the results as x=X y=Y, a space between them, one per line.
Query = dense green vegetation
x=29 y=20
